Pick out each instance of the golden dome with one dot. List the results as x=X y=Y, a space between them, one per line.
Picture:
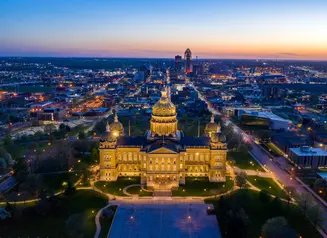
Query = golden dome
x=163 y=121
x=214 y=137
x=116 y=126
x=212 y=127
x=164 y=107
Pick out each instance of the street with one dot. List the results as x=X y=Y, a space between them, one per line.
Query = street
x=278 y=173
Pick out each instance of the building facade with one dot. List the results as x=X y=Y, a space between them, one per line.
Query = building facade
x=307 y=157
x=163 y=157
x=188 y=61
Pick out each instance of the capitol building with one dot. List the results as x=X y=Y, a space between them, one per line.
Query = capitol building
x=164 y=156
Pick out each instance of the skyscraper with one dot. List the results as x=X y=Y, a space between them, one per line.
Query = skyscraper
x=178 y=62
x=188 y=61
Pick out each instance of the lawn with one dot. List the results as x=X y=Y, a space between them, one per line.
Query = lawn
x=200 y=186
x=259 y=212
x=52 y=224
x=137 y=190
x=275 y=149
x=58 y=181
x=116 y=188
x=106 y=223
x=244 y=161
x=267 y=184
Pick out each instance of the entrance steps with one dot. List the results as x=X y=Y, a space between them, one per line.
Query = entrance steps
x=162 y=193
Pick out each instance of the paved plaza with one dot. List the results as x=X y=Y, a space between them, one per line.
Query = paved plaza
x=164 y=221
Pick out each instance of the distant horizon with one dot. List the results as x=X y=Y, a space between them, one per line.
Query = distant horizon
x=165 y=58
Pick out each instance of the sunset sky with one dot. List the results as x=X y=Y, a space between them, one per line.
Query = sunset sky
x=256 y=29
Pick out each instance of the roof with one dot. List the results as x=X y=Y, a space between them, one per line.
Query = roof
x=309 y=151
x=266 y=115
x=195 y=141
x=131 y=141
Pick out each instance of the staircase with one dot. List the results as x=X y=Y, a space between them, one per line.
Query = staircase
x=162 y=193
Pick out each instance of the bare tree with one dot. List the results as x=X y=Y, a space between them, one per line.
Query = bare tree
x=315 y=214
x=304 y=200
x=241 y=179
x=277 y=227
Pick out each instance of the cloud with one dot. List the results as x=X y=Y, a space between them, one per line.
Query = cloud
x=289 y=54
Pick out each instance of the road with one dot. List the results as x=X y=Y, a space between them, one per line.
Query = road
x=278 y=173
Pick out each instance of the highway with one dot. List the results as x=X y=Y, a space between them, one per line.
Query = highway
x=278 y=173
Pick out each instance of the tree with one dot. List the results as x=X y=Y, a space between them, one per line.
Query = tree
x=3 y=152
x=242 y=148
x=62 y=127
x=75 y=225
x=320 y=185
x=277 y=227
x=33 y=184
x=7 y=140
x=4 y=214
x=49 y=128
x=94 y=155
x=316 y=215
x=64 y=155
x=264 y=196
x=3 y=164
x=20 y=169
x=10 y=162
x=70 y=188
x=100 y=127
x=241 y=179
x=239 y=220
x=81 y=135
x=304 y=201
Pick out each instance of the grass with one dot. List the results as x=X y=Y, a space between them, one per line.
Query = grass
x=116 y=187
x=55 y=181
x=200 y=186
x=137 y=190
x=275 y=149
x=244 y=161
x=106 y=223
x=259 y=212
x=33 y=224
x=267 y=184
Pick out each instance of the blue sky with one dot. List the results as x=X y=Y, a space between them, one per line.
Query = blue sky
x=142 y=28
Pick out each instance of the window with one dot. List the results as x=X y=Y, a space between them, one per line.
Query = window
x=181 y=166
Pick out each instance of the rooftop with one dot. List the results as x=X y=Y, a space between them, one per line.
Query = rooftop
x=267 y=115
x=307 y=151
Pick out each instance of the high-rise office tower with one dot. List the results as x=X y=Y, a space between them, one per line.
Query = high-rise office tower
x=188 y=61
x=178 y=62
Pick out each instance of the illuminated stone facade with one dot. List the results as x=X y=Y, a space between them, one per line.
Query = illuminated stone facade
x=164 y=156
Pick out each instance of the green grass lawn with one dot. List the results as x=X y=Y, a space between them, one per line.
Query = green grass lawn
x=116 y=188
x=106 y=223
x=58 y=182
x=275 y=149
x=267 y=184
x=200 y=186
x=137 y=190
x=244 y=161
x=258 y=212
x=33 y=224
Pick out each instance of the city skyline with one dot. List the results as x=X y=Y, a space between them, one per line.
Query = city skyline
x=211 y=29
